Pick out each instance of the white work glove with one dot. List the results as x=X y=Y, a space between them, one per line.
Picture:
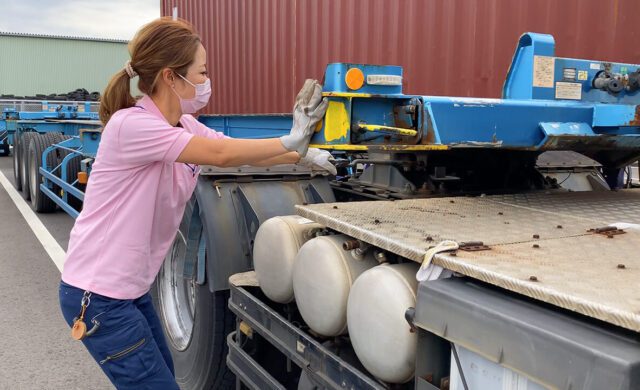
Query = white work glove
x=318 y=159
x=308 y=110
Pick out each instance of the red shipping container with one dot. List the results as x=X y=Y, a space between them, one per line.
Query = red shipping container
x=260 y=51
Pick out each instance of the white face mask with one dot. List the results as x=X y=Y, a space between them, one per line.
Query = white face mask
x=203 y=93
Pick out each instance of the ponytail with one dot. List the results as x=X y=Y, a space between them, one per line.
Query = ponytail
x=163 y=43
x=116 y=96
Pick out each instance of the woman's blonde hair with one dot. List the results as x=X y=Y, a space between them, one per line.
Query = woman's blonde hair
x=163 y=43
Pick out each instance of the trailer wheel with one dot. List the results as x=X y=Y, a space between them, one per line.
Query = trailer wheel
x=39 y=201
x=17 y=177
x=73 y=167
x=195 y=321
x=24 y=163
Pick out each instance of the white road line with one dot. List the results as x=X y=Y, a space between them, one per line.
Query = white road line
x=54 y=250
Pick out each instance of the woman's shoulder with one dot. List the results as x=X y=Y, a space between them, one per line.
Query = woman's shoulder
x=135 y=116
x=196 y=127
x=130 y=113
x=188 y=119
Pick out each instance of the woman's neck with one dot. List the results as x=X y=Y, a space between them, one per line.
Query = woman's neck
x=168 y=106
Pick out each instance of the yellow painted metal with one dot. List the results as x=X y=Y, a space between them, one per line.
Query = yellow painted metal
x=339 y=147
x=410 y=148
x=395 y=148
x=346 y=94
x=336 y=121
x=397 y=130
x=337 y=125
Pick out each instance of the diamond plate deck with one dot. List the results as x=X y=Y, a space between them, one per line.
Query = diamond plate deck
x=572 y=268
x=606 y=206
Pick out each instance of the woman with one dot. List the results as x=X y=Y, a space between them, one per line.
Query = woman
x=144 y=173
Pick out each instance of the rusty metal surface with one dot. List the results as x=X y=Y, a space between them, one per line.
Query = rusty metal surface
x=565 y=160
x=607 y=207
x=261 y=51
x=532 y=237
x=636 y=118
x=410 y=227
x=591 y=275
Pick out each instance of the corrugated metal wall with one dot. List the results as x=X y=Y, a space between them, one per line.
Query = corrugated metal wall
x=32 y=65
x=260 y=51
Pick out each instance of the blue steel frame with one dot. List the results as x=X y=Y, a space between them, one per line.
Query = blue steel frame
x=68 y=119
x=53 y=111
x=52 y=117
x=85 y=145
x=548 y=103
x=66 y=184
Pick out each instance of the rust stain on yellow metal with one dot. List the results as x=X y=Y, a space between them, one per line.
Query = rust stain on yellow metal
x=397 y=148
x=410 y=148
x=336 y=121
x=397 y=130
x=340 y=147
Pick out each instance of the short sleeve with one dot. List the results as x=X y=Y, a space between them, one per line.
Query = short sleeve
x=200 y=129
x=143 y=139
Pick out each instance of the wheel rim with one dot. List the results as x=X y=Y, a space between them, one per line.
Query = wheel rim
x=177 y=295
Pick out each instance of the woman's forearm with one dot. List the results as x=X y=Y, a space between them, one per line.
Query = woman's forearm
x=287 y=158
x=233 y=152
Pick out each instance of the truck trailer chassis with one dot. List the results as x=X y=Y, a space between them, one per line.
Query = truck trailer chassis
x=538 y=294
x=539 y=246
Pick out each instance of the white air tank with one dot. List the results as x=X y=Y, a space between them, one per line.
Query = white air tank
x=275 y=247
x=322 y=277
x=380 y=335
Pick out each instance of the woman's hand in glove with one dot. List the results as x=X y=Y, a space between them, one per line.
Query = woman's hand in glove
x=308 y=110
x=319 y=160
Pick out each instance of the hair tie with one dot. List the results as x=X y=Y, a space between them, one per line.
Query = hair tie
x=129 y=69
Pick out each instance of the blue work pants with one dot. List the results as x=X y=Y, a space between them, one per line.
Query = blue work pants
x=129 y=344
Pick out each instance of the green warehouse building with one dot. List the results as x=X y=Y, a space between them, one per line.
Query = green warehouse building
x=34 y=64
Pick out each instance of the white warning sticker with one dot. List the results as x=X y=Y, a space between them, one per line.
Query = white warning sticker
x=595 y=66
x=571 y=91
x=543 y=69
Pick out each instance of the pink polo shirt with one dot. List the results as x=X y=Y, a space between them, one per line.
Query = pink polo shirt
x=134 y=202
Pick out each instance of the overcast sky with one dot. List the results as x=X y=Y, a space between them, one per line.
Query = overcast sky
x=115 y=19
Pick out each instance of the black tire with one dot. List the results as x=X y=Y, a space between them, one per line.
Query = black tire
x=24 y=163
x=72 y=172
x=40 y=202
x=195 y=321
x=73 y=168
x=17 y=162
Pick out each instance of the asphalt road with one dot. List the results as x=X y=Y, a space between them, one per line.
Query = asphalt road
x=37 y=351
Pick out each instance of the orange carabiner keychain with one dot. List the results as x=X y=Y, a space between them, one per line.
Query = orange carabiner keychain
x=79 y=329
